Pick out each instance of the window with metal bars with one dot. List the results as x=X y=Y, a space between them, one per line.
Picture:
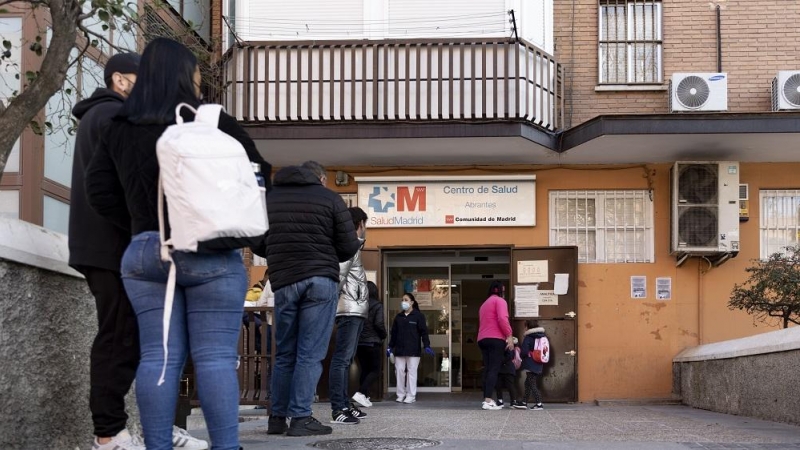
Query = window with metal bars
x=607 y=226
x=630 y=42
x=350 y=199
x=780 y=220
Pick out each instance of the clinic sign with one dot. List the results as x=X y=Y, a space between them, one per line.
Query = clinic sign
x=466 y=201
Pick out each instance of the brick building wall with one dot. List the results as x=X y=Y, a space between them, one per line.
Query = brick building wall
x=759 y=38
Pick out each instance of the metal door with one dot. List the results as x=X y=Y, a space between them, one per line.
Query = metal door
x=560 y=377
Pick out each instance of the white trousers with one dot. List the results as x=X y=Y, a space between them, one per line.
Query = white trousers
x=406 y=386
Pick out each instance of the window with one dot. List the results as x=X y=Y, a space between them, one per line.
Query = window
x=56 y=215
x=607 y=226
x=780 y=220
x=9 y=204
x=350 y=199
x=630 y=41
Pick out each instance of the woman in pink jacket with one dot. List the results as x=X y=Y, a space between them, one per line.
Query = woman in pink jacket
x=494 y=336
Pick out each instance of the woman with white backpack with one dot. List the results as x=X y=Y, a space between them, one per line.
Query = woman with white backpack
x=202 y=313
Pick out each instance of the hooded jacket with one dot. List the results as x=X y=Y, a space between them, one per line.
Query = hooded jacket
x=528 y=363
x=353 y=295
x=407 y=332
x=374 y=331
x=94 y=241
x=310 y=229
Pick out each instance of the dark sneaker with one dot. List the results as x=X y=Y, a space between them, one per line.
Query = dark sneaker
x=343 y=417
x=517 y=404
x=277 y=425
x=499 y=402
x=307 y=426
x=537 y=407
x=357 y=413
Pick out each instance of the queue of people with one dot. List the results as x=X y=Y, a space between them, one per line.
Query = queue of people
x=147 y=328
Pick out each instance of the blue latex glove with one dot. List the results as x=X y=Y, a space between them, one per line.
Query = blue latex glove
x=388 y=352
x=429 y=350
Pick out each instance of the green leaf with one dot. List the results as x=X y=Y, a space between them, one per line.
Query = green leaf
x=102 y=14
x=94 y=43
x=68 y=91
x=104 y=27
x=48 y=125
x=35 y=127
x=38 y=38
x=30 y=75
x=7 y=44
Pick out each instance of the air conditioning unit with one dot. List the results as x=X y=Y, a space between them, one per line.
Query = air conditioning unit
x=786 y=90
x=744 y=202
x=705 y=208
x=698 y=92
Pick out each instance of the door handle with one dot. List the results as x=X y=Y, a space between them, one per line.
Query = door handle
x=571 y=353
x=571 y=314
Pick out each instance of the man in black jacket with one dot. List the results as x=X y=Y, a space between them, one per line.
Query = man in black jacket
x=96 y=246
x=310 y=233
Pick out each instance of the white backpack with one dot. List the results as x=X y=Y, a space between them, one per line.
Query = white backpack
x=211 y=190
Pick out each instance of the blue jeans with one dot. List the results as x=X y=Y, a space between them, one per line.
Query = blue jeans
x=304 y=313
x=206 y=320
x=348 y=329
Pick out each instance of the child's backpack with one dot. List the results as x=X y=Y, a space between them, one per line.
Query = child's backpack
x=541 y=350
x=212 y=192
x=517 y=360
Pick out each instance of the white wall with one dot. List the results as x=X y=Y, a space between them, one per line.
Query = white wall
x=276 y=20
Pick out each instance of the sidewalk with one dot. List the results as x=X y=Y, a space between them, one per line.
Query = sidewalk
x=457 y=422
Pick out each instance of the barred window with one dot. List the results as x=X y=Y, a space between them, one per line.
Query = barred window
x=350 y=199
x=629 y=41
x=607 y=226
x=780 y=220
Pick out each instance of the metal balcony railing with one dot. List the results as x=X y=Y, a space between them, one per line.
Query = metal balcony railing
x=394 y=81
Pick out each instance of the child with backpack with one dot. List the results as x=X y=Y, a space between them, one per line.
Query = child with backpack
x=535 y=353
x=506 y=378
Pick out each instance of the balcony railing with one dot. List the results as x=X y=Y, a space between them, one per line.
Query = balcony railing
x=393 y=80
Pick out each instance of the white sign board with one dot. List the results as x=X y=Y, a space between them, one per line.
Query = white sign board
x=664 y=288
x=532 y=271
x=526 y=301
x=638 y=287
x=548 y=298
x=466 y=201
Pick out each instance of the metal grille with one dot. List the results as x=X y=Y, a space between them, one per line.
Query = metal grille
x=350 y=199
x=780 y=220
x=607 y=226
x=629 y=41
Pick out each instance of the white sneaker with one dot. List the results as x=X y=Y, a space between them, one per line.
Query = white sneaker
x=362 y=400
x=399 y=399
x=491 y=405
x=181 y=439
x=122 y=441
x=410 y=399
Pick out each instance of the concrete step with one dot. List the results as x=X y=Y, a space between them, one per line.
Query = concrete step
x=639 y=401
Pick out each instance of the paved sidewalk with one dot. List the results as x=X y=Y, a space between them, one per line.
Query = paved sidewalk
x=457 y=422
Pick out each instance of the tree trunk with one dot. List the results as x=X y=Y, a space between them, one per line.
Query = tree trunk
x=18 y=113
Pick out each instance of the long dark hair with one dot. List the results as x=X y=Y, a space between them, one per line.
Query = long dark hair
x=414 y=304
x=165 y=79
x=496 y=288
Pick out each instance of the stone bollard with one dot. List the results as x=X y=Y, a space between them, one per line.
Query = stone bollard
x=47 y=325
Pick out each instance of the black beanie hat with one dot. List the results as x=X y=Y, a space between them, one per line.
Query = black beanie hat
x=121 y=63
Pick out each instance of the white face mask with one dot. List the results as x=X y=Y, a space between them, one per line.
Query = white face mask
x=405 y=305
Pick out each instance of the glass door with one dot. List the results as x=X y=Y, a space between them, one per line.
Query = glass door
x=431 y=287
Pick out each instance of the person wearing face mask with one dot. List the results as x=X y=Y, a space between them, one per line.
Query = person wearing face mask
x=494 y=338
x=122 y=186
x=408 y=330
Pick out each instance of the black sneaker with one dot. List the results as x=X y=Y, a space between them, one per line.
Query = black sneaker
x=357 y=413
x=307 y=426
x=343 y=417
x=499 y=402
x=277 y=425
x=517 y=404
x=537 y=407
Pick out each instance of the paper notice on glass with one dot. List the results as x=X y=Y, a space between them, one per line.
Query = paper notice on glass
x=664 y=288
x=424 y=299
x=638 y=287
x=532 y=271
x=548 y=298
x=561 y=285
x=372 y=275
x=526 y=301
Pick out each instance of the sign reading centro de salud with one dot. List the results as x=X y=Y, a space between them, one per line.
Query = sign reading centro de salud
x=465 y=201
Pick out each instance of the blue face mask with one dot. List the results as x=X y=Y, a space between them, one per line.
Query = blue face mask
x=405 y=306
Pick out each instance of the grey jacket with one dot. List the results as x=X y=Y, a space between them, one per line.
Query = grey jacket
x=353 y=294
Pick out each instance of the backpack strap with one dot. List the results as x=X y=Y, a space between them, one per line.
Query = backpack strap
x=169 y=298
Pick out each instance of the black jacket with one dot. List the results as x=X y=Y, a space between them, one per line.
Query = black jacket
x=93 y=240
x=407 y=332
x=122 y=177
x=374 y=331
x=508 y=363
x=310 y=229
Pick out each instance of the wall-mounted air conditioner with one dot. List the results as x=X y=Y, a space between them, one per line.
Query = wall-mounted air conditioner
x=705 y=208
x=698 y=92
x=786 y=90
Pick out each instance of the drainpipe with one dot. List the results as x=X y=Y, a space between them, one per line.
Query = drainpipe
x=719 y=39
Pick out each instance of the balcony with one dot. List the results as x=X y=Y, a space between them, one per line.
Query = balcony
x=487 y=80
